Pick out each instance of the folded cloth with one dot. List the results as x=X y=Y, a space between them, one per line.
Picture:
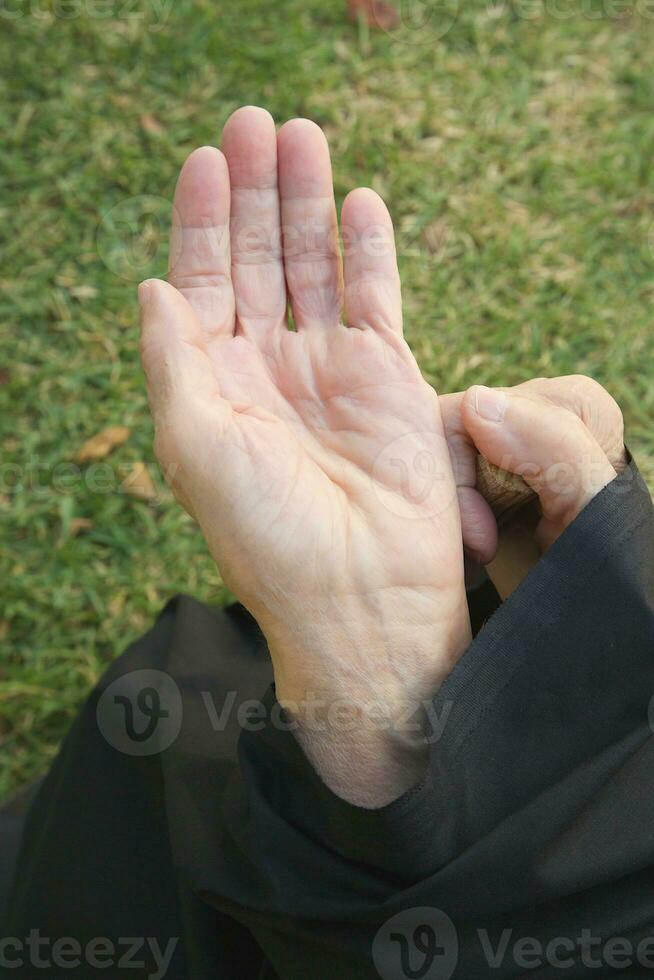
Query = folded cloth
x=182 y=812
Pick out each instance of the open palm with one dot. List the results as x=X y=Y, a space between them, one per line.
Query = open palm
x=313 y=459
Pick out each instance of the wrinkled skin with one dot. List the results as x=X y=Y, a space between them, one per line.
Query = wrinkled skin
x=565 y=423
x=314 y=460
x=335 y=491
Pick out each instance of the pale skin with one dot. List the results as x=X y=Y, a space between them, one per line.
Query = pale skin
x=564 y=436
x=296 y=450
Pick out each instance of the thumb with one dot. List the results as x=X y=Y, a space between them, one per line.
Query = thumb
x=173 y=350
x=181 y=382
x=548 y=446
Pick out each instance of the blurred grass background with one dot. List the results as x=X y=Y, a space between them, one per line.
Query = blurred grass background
x=513 y=143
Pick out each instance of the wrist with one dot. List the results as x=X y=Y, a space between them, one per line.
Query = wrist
x=359 y=649
x=359 y=686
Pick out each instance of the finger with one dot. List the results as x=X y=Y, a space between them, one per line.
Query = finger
x=312 y=259
x=250 y=146
x=199 y=264
x=173 y=352
x=373 y=295
x=547 y=445
x=478 y=525
x=599 y=412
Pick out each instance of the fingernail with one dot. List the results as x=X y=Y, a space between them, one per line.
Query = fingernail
x=490 y=404
x=144 y=289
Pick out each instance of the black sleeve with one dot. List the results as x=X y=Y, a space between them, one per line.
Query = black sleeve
x=529 y=846
x=526 y=851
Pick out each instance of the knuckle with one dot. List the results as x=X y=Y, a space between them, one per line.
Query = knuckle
x=585 y=387
x=584 y=381
x=597 y=408
x=536 y=383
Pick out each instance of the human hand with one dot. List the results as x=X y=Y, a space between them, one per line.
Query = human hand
x=563 y=436
x=292 y=448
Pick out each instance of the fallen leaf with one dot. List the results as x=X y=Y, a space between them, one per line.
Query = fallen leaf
x=102 y=444
x=138 y=483
x=376 y=13
x=83 y=292
x=453 y=132
x=151 y=125
x=436 y=236
x=4 y=629
x=65 y=279
x=116 y=605
x=78 y=525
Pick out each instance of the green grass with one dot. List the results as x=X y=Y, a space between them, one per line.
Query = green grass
x=513 y=151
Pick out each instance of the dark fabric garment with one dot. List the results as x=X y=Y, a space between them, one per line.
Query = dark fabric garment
x=534 y=824
x=10 y=833
x=12 y=821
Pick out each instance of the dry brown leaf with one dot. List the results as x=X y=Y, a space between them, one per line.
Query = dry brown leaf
x=437 y=235
x=78 y=525
x=116 y=605
x=453 y=132
x=83 y=292
x=376 y=13
x=151 y=125
x=139 y=483
x=102 y=444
